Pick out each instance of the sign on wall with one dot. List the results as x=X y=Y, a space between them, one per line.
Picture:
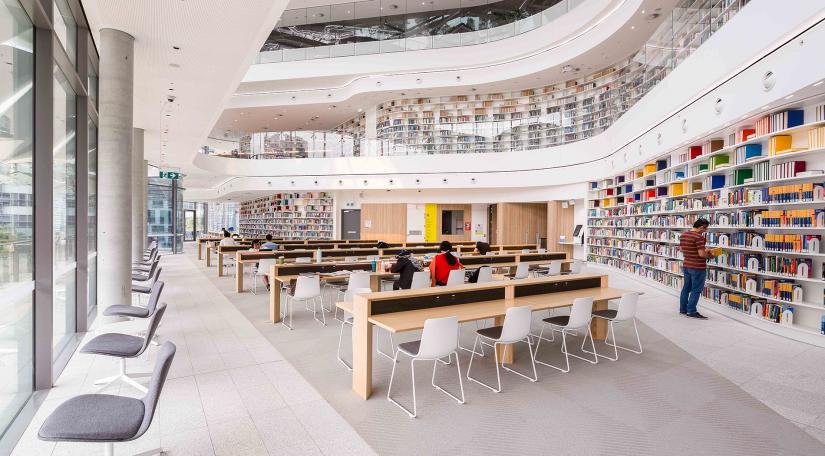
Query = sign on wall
x=170 y=175
x=430 y=222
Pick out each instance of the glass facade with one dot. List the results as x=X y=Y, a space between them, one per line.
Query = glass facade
x=16 y=217
x=165 y=213
x=42 y=254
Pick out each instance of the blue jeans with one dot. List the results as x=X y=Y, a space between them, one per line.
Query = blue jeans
x=692 y=289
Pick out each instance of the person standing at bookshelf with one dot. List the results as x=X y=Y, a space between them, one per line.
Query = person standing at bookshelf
x=694 y=267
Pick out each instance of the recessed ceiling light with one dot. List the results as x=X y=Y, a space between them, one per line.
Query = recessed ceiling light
x=632 y=27
x=643 y=11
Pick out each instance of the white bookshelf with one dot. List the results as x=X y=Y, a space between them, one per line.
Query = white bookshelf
x=289 y=216
x=635 y=219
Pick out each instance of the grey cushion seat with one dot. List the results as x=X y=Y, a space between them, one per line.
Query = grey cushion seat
x=610 y=314
x=493 y=332
x=113 y=344
x=123 y=310
x=94 y=417
x=140 y=277
x=141 y=288
x=411 y=347
x=560 y=320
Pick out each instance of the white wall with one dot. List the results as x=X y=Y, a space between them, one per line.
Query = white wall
x=479 y=217
x=415 y=222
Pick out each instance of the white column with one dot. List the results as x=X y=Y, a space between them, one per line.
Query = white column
x=144 y=198
x=370 y=127
x=117 y=50
x=137 y=199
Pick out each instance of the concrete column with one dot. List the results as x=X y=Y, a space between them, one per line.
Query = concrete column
x=137 y=188
x=144 y=203
x=370 y=132
x=117 y=50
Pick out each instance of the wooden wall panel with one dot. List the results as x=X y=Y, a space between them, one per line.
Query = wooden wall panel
x=559 y=223
x=388 y=222
x=468 y=216
x=519 y=222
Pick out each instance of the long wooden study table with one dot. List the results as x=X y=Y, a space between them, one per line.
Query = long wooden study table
x=406 y=310
x=284 y=273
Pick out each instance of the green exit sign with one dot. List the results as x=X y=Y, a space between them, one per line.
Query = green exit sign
x=170 y=175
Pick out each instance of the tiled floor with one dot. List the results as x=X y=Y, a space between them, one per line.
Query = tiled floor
x=229 y=391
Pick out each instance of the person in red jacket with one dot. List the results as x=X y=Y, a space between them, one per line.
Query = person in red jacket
x=443 y=263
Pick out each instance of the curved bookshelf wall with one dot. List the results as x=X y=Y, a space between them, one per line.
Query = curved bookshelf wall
x=761 y=186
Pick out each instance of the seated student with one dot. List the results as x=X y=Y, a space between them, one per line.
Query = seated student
x=269 y=245
x=225 y=232
x=481 y=248
x=256 y=246
x=227 y=239
x=382 y=245
x=443 y=263
x=405 y=265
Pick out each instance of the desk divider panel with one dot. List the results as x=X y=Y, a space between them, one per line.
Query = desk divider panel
x=322 y=268
x=542 y=256
x=556 y=286
x=487 y=259
x=415 y=250
x=448 y=298
x=308 y=246
x=358 y=245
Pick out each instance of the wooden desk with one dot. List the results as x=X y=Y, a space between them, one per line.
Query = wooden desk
x=200 y=243
x=222 y=250
x=406 y=310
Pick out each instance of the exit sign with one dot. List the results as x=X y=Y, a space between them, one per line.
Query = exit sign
x=170 y=175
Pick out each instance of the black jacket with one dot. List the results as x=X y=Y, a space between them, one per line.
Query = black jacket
x=406 y=269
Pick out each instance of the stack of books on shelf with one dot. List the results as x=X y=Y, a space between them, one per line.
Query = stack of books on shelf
x=289 y=216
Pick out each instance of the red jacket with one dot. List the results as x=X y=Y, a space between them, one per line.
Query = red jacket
x=440 y=269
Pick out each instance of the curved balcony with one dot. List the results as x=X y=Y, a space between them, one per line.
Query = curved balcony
x=523 y=120
x=371 y=40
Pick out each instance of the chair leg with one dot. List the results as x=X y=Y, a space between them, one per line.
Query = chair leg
x=481 y=347
x=392 y=345
x=595 y=359
x=151 y=452
x=389 y=389
x=610 y=334
x=535 y=376
x=109 y=449
x=340 y=337
x=498 y=373
x=122 y=376
x=287 y=311
x=460 y=382
x=563 y=350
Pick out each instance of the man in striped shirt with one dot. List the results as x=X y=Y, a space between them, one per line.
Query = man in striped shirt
x=694 y=267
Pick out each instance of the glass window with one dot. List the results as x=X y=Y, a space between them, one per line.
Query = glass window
x=65 y=150
x=64 y=217
x=92 y=84
x=16 y=122
x=66 y=28
x=92 y=187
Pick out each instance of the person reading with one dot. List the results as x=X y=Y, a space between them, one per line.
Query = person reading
x=405 y=266
x=443 y=263
x=694 y=267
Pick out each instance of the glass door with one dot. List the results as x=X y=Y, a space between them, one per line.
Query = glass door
x=189 y=225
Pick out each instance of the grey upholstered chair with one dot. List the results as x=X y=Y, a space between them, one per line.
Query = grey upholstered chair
x=106 y=418
x=124 y=346
x=125 y=310
x=143 y=273
x=144 y=287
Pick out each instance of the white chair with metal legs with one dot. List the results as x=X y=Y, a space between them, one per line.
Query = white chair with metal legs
x=579 y=319
x=439 y=339
x=263 y=268
x=575 y=267
x=626 y=312
x=347 y=321
x=307 y=288
x=356 y=280
x=456 y=277
x=553 y=268
x=485 y=274
x=516 y=328
x=522 y=271
x=421 y=279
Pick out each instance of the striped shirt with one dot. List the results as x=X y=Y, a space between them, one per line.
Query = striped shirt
x=691 y=242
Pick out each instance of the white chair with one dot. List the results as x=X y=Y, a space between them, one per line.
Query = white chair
x=373 y=257
x=525 y=250
x=626 y=312
x=307 y=288
x=516 y=328
x=421 y=279
x=347 y=321
x=350 y=259
x=456 y=277
x=553 y=269
x=575 y=267
x=490 y=253
x=438 y=340
x=264 y=266
x=357 y=280
x=542 y=250
x=579 y=319
x=522 y=271
x=485 y=274
x=303 y=260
